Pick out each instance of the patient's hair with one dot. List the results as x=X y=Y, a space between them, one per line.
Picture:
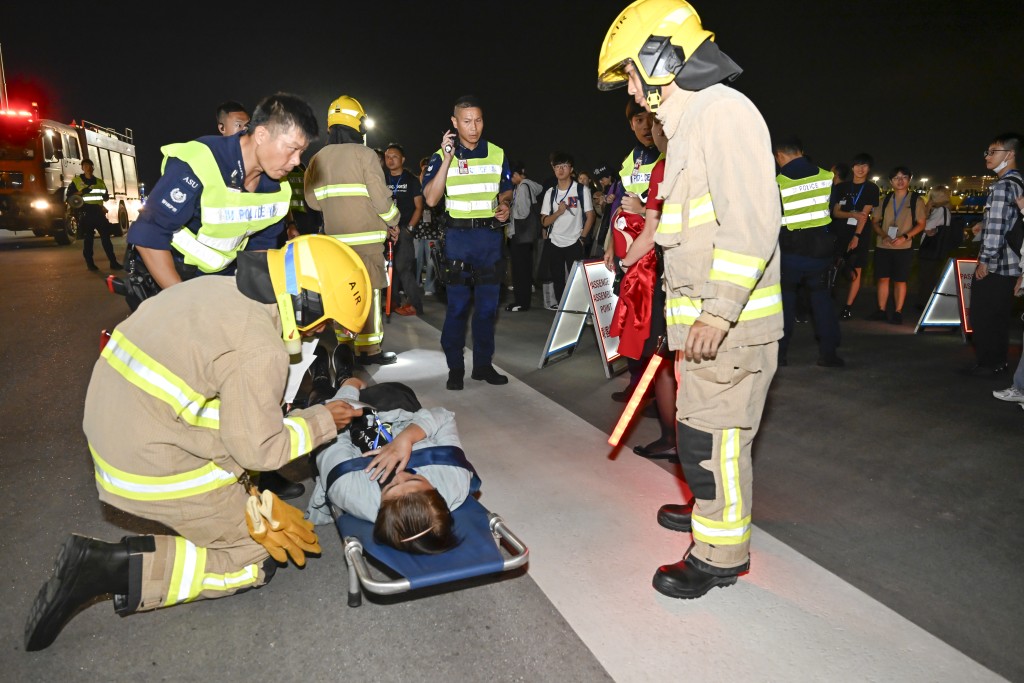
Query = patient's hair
x=402 y=519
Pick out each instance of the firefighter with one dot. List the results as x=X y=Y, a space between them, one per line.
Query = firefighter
x=197 y=376
x=719 y=230
x=300 y=220
x=473 y=176
x=221 y=195
x=344 y=181
x=92 y=217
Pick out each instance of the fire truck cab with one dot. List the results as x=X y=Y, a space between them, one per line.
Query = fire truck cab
x=39 y=158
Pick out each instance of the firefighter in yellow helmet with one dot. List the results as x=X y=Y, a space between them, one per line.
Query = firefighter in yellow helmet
x=184 y=399
x=719 y=230
x=344 y=180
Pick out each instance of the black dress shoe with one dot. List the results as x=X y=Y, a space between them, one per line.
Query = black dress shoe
x=675 y=517
x=85 y=568
x=986 y=370
x=275 y=483
x=489 y=374
x=691 y=578
x=114 y=265
x=656 y=451
x=455 y=380
x=91 y=266
x=380 y=358
x=343 y=362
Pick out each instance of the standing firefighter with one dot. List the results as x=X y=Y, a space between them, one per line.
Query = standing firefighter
x=198 y=375
x=344 y=181
x=719 y=229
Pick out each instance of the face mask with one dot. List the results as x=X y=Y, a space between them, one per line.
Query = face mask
x=1001 y=166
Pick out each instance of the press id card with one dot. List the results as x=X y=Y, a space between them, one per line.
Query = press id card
x=893 y=231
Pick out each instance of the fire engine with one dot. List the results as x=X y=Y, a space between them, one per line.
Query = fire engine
x=38 y=160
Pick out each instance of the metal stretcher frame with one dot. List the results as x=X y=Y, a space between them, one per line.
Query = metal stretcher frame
x=472 y=523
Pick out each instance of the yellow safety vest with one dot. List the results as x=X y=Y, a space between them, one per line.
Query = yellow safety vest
x=635 y=178
x=228 y=217
x=472 y=185
x=805 y=200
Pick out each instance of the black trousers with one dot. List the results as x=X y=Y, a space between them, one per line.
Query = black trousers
x=991 y=305
x=521 y=258
x=560 y=259
x=90 y=221
x=403 y=276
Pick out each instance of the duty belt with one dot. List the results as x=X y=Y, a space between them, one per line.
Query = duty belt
x=467 y=223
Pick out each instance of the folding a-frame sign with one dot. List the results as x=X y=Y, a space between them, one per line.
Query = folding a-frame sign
x=950 y=302
x=587 y=291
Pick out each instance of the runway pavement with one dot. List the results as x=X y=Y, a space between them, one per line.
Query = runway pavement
x=884 y=546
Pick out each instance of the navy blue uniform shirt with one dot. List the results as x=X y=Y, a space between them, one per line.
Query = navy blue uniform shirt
x=174 y=200
x=505 y=185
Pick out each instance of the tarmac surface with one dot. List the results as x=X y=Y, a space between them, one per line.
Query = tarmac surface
x=885 y=545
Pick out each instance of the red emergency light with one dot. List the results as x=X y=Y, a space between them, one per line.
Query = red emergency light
x=16 y=113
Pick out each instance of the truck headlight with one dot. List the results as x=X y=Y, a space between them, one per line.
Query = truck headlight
x=40 y=204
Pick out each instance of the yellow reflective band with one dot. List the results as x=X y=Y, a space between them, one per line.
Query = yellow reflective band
x=300 y=435
x=358 y=238
x=232 y=581
x=342 y=190
x=824 y=184
x=186 y=577
x=730 y=463
x=389 y=214
x=153 y=378
x=702 y=210
x=671 y=220
x=170 y=487
x=738 y=269
x=683 y=310
x=720 y=533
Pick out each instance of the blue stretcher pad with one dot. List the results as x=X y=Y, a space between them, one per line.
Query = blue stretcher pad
x=475 y=555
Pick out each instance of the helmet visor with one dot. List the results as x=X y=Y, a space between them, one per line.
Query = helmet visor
x=615 y=77
x=310 y=314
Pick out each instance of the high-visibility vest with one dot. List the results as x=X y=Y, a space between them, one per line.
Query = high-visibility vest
x=637 y=178
x=91 y=194
x=472 y=185
x=296 y=180
x=227 y=217
x=805 y=200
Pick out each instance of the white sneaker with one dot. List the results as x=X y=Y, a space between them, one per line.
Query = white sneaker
x=1012 y=394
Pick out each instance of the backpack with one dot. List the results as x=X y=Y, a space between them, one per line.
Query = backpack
x=1015 y=235
x=579 y=194
x=946 y=239
x=914 y=198
x=528 y=229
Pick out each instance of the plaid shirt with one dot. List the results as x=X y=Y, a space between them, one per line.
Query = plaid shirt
x=1000 y=213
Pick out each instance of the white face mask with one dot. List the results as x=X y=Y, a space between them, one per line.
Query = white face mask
x=1001 y=166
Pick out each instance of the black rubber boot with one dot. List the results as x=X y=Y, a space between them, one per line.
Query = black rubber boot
x=343 y=361
x=85 y=568
x=691 y=578
x=455 y=378
x=380 y=358
x=675 y=517
x=275 y=483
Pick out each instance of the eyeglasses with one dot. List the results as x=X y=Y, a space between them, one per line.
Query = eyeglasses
x=557 y=166
x=990 y=152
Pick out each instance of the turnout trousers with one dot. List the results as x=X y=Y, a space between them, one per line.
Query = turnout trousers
x=719 y=408
x=213 y=556
x=479 y=249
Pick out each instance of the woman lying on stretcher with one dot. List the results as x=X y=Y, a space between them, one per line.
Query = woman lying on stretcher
x=364 y=471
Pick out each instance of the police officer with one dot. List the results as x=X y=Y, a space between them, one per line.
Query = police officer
x=197 y=375
x=806 y=246
x=474 y=178
x=724 y=302
x=220 y=195
x=92 y=217
x=344 y=181
x=232 y=118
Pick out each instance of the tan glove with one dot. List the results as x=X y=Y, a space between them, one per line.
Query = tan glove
x=280 y=528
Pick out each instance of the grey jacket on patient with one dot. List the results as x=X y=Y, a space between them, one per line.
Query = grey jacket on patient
x=357 y=495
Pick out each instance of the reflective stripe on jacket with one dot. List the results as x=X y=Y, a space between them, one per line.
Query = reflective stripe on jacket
x=635 y=178
x=91 y=194
x=228 y=217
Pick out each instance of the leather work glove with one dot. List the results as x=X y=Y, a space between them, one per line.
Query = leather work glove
x=280 y=528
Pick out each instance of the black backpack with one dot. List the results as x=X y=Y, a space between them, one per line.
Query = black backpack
x=1015 y=235
x=579 y=194
x=528 y=229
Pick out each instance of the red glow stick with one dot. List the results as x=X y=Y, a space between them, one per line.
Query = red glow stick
x=634 y=400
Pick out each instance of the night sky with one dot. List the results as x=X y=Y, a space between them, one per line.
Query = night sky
x=925 y=84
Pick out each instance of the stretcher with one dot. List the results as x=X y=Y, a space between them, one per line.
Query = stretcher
x=486 y=546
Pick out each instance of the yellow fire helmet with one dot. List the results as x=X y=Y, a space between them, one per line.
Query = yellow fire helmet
x=346 y=111
x=646 y=34
x=317 y=278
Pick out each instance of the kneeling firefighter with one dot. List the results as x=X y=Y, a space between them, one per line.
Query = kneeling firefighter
x=197 y=406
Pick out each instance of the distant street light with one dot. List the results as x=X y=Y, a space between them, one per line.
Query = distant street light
x=369 y=123
x=875 y=178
